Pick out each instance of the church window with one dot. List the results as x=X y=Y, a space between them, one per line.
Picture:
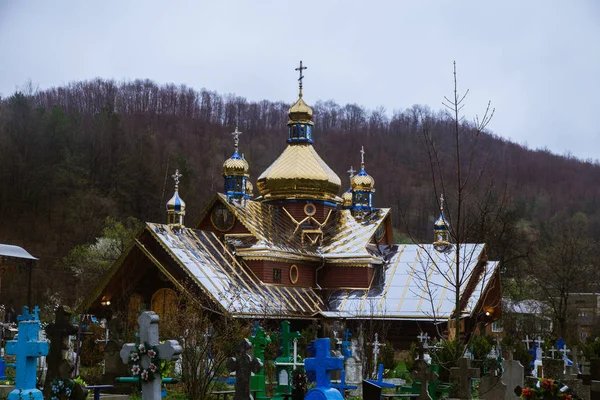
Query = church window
x=133 y=310
x=294 y=274
x=164 y=303
x=276 y=275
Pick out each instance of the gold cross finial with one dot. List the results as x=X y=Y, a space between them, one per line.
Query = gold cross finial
x=176 y=177
x=300 y=68
x=236 y=138
x=442 y=202
x=351 y=171
x=362 y=157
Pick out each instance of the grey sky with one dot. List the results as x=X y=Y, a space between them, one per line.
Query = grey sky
x=538 y=61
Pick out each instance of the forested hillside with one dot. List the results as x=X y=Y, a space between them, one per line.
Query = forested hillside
x=72 y=156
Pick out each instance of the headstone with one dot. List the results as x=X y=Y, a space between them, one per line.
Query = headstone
x=27 y=348
x=513 y=376
x=322 y=364
x=463 y=374
x=60 y=367
x=260 y=340
x=371 y=390
x=491 y=386
x=244 y=365
x=298 y=384
x=423 y=374
x=142 y=359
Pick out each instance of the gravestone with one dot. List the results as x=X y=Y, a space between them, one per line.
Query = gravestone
x=260 y=340
x=27 y=348
x=423 y=374
x=113 y=365
x=59 y=367
x=143 y=362
x=298 y=384
x=322 y=364
x=463 y=374
x=244 y=365
x=491 y=386
x=513 y=376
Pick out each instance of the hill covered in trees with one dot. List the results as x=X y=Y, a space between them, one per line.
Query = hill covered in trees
x=72 y=156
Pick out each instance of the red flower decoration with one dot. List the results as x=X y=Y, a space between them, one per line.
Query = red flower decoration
x=527 y=393
x=547 y=384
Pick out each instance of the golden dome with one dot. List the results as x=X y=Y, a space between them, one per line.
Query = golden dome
x=299 y=173
x=347 y=199
x=362 y=181
x=300 y=112
x=249 y=188
x=235 y=165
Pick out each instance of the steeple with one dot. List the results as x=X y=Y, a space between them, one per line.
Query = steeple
x=235 y=172
x=176 y=206
x=441 y=230
x=300 y=125
x=363 y=187
x=300 y=174
x=347 y=195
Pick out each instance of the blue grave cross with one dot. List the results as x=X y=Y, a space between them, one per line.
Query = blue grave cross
x=25 y=316
x=342 y=387
x=323 y=363
x=346 y=352
x=379 y=381
x=27 y=348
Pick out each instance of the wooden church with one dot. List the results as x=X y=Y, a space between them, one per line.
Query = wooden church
x=300 y=251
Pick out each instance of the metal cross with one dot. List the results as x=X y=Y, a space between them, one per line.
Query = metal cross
x=351 y=171
x=423 y=338
x=527 y=341
x=176 y=177
x=539 y=341
x=236 y=138
x=362 y=156
x=442 y=202
x=553 y=350
x=300 y=68
x=376 y=345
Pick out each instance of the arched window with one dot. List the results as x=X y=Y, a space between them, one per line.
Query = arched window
x=164 y=303
x=133 y=311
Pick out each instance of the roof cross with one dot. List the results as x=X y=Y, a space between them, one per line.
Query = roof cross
x=442 y=202
x=176 y=177
x=300 y=68
x=351 y=171
x=362 y=157
x=236 y=138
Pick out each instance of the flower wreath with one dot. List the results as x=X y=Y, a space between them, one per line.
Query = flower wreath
x=145 y=374
x=62 y=388
x=547 y=389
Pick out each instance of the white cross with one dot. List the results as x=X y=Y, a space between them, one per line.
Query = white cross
x=294 y=362
x=169 y=351
x=553 y=350
x=527 y=341
x=539 y=341
x=376 y=345
x=423 y=338
x=564 y=350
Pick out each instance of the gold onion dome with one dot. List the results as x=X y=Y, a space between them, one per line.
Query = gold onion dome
x=299 y=172
x=235 y=165
x=347 y=199
x=362 y=181
x=176 y=203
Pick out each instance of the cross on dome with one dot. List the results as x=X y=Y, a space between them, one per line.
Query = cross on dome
x=176 y=177
x=236 y=138
x=442 y=202
x=299 y=69
x=362 y=157
x=351 y=171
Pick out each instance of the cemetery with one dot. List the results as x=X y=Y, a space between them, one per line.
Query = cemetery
x=296 y=293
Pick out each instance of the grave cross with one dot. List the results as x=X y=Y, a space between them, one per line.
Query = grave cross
x=376 y=345
x=286 y=338
x=539 y=341
x=347 y=344
x=322 y=364
x=423 y=338
x=315 y=328
x=168 y=351
x=564 y=350
x=27 y=348
x=342 y=387
x=244 y=366
x=463 y=374
x=527 y=341
x=423 y=373
x=553 y=350
x=58 y=332
x=260 y=340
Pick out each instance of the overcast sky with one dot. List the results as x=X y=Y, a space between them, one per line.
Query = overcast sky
x=538 y=61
